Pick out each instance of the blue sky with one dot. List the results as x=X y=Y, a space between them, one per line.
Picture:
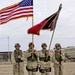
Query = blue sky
x=17 y=29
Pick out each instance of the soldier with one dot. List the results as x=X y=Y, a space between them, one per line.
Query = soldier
x=32 y=60
x=45 y=62
x=17 y=59
x=58 y=58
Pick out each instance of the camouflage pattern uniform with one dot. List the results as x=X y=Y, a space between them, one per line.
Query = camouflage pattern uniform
x=32 y=60
x=58 y=57
x=45 y=62
x=18 y=63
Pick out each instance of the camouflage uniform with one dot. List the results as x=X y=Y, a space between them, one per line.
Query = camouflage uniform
x=32 y=61
x=45 y=61
x=57 y=58
x=18 y=61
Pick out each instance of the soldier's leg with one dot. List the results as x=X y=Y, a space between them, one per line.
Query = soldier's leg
x=15 y=73
x=48 y=70
x=21 y=72
x=47 y=73
x=15 y=69
x=56 y=70
x=61 y=72
x=34 y=73
x=42 y=73
x=21 y=69
x=30 y=73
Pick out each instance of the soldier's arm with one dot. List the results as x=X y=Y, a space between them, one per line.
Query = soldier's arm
x=41 y=54
x=36 y=53
x=27 y=54
x=63 y=56
x=12 y=58
x=53 y=59
x=22 y=58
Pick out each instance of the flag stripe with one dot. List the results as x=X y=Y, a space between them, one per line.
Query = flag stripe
x=21 y=9
x=16 y=18
x=9 y=8
x=49 y=21
x=16 y=11
x=5 y=17
x=17 y=8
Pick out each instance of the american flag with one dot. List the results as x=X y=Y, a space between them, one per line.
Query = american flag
x=19 y=10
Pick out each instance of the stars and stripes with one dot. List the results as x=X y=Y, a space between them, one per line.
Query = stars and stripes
x=22 y=9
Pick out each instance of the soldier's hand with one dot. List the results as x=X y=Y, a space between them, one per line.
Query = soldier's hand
x=17 y=65
x=32 y=51
x=47 y=53
x=58 y=63
x=62 y=55
x=19 y=56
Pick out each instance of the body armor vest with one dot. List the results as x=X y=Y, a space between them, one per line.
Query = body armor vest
x=46 y=58
x=30 y=58
x=57 y=56
x=16 y=54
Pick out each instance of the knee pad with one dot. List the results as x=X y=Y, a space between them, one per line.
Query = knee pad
x=35 y=69
x=48 y=70
x=41 y=70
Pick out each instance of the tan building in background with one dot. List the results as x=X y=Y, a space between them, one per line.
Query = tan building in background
x=70 y=54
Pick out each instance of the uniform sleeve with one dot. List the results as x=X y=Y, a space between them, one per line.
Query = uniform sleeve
x=36 y=53
x=27 y=54
x=53 y=58
x=22 y=58
x=41 y=54
x=63 y=57
x=12 y=58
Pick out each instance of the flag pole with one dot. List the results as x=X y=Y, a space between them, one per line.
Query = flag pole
x=60 y=6
x=51 y=39
x=8 y=50
x=32 y=25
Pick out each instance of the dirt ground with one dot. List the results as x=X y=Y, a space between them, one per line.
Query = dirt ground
x=7 y=69
x=68 y=69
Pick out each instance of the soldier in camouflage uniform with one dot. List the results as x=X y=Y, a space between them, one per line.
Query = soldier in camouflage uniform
x=45 y=61
x=32 y=60
x=58 y=58
x=17 y=59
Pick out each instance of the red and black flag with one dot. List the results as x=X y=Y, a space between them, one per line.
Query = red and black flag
x=48 y=23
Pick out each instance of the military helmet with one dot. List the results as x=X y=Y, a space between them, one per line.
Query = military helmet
x=57 y=45
x=31 y=44
x=44 y=44
x=17 y=44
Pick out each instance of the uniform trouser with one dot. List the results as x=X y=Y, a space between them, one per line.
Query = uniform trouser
x=46 y=73
x=57 y=71
x=31 y=73
x=18 y=70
